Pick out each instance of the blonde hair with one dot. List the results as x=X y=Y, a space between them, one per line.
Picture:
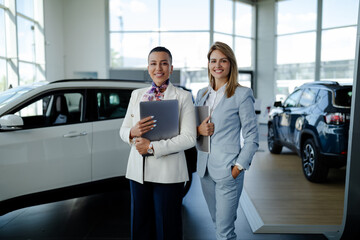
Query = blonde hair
x=232 y=83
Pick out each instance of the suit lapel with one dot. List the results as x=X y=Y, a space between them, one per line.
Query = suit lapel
x=170 y=93
x=203 y=99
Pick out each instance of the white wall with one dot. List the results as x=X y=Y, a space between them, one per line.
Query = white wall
x=266 y=56
x=77 y=38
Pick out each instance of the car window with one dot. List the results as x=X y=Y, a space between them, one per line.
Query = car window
x=322 y=98
x=52 y=109
x=308 y=97
x=343 y=97
x=293 y=99
x=112 y=103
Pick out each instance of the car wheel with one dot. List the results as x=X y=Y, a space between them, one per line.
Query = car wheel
x=311 y=165
x=272 y=145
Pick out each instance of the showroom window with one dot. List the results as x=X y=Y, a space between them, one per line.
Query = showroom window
x=315 y=41
x=22 y=56
x=2 y=50
x=138 y=26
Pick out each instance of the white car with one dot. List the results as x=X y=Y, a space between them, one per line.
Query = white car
x=64 y=135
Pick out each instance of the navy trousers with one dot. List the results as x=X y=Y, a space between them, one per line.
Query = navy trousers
x=156 y=211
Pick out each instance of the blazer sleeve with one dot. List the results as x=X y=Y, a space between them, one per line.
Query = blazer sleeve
x=187 y=137
x=249 y=128
x=128 y=122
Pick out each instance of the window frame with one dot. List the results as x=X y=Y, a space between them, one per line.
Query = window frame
x=12 y=41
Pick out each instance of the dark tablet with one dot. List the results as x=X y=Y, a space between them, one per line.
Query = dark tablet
x=166 y=112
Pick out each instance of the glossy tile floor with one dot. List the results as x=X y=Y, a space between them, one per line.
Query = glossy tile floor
x=107 y=216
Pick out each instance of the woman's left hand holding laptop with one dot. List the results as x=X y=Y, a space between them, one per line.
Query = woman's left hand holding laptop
x=141 y=127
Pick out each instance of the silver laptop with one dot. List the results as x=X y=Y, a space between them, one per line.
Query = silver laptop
x=166 y=112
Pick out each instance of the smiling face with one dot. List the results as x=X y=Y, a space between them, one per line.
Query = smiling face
x=219 y=66
x=159 y=67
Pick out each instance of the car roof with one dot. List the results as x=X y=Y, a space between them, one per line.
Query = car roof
x=99 y=80
x=333 y=85
x=35 y=88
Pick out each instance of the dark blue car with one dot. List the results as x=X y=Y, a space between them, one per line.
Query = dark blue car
x=313 y=121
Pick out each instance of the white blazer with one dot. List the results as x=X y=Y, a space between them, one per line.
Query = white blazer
x=168 y=165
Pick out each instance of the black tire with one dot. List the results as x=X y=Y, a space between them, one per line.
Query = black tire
x=272 y=145
x=313 y=170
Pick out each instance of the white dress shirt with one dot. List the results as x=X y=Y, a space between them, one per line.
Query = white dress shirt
x=214 y=97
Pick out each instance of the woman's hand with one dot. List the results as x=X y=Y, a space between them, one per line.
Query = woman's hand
x=142 y=145
x=235 y=172
x=206 y=128
x=142 y=126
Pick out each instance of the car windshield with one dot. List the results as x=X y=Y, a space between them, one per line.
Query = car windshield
x=13 y=93
x=343 y=97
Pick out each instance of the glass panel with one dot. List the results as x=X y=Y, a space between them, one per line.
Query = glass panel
x=292 y=100
x=26 y=73
x=245 y=79
x=339 y=13
x=338 y=54
x=12 y=94
x=297 y=48
x=135 y=54
x=40 y=73
x=308 y=97
x=25 y=7
x=338 y=44
x=297 y=71
x=2 y=2
x=133 y=15
x=343 y=97
x=243 y=50
x=243 y=19
x=296 y=16
x=2 y=75
x=26 y=39
x=112 y=103
x=223 y=13
x=177 y=15
x=194 y=79
x=33 y=109
x=224 y=38
x=295 y=61
x=2 y=33
x=187 y=49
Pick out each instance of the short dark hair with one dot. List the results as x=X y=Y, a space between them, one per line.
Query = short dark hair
x=161 y=49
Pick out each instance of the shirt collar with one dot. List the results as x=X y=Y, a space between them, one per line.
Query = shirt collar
x=219 y=91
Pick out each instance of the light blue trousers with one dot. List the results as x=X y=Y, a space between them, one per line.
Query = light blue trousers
x=222 y=197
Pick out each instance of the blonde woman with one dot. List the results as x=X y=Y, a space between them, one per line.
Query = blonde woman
x=231 y=110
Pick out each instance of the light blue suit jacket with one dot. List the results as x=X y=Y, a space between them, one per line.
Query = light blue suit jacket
x=229 y=117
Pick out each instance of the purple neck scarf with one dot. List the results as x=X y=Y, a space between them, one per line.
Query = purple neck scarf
x=156 y=93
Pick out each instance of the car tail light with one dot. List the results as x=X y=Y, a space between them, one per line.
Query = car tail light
x=337 y=118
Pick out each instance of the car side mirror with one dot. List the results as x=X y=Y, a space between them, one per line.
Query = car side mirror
x=278 y=104
x=11 y=122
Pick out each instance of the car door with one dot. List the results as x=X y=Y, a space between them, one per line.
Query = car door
x=110 y=154
x=49 y=151
x=289 y=107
